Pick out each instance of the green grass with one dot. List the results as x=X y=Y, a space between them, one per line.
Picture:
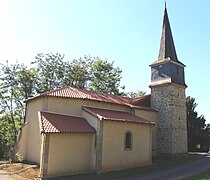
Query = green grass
x=157 y=165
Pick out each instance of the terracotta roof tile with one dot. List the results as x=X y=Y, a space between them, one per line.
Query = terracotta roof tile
x=139 y=99
x=58 y=123
x=106 y=114
x=70 y=92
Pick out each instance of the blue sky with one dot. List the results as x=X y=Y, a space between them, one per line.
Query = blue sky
x=126 y=32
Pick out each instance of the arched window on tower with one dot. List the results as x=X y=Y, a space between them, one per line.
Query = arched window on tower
x=128 y=141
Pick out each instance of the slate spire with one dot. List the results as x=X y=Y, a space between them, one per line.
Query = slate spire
x=167 y=48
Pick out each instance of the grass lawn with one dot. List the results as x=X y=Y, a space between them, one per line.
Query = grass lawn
x=158 y=164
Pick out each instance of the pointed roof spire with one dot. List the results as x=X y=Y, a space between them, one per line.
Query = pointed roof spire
x=167 y=48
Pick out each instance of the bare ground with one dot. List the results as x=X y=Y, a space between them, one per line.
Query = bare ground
x=18 y=171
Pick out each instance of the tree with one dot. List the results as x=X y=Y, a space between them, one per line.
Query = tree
x=50 y=71
x=197 y=131
x=27 y=81
x=105 y=77
x=86 y=73
x=7 y=135
x=8 y=94
x=77 y=72
x=135 y=94
x=16 y=84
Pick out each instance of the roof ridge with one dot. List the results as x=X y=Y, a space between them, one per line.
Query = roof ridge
x=76 y=93
x=53 y=90
x=114 y=95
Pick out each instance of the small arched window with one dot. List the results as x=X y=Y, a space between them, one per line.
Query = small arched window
x=128 y=141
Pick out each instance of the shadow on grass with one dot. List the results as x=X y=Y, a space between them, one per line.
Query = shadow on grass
x=157 y=165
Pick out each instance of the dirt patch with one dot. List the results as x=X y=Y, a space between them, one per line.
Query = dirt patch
x=20 y=170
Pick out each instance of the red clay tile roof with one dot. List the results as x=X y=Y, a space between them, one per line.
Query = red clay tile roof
x=58 y=123
x=139 y=99
x=69 y=92
x=106 y=114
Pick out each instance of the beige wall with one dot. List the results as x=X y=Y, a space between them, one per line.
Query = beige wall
x=70 y=153
x=151 y=116
x=34 y=136
x=65 y=105
x=22 y=141
x=107 y=105
x=114 y=154
x=53 y=104
x=74 y=106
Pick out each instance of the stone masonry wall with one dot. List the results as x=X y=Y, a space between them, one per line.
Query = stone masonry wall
x=170 y=101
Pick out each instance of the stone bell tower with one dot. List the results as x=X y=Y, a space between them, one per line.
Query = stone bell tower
x=168 y=95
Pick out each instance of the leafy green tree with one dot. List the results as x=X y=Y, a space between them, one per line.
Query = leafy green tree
x=8 y=93
x=7 y=135
x=197 y=129
x=27 y=82
x=77 y=72
x=50 y=71
x=88 y=72
x=16 y=84
x=105 y=77
x=135 y=94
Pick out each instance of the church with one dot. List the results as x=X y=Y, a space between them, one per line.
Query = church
x=72 y=131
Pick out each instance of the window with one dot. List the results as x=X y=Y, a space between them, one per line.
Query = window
x=128 y=141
